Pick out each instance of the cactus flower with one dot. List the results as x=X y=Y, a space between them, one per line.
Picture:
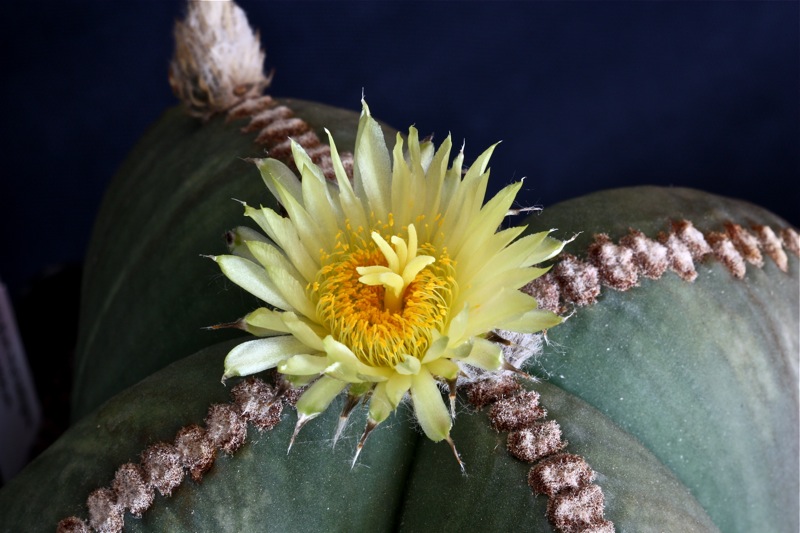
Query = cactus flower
x=384 y=287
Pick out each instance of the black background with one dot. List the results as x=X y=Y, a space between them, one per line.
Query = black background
x=584 y=96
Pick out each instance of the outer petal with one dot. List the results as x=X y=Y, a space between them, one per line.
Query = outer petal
x=309 y=334
x=484 y=354
x=444 y=368
x=432 y=414
x=372 y=172
x=352 y=206
x=274 y=172
x=237 y=241
x=347 y=365
x=532 y=321
x=284 y=234
x=252 y=278
x=304 y=365
x=267 y=319
x=262 y=354
x=319 y=396
x=387 y=396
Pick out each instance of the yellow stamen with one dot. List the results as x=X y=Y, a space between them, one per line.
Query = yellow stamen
x=381 y=301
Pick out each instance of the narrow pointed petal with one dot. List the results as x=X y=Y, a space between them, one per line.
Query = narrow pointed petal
x=303 y=364
x=252 y=278
x=318 y=396
x=352 y=206
x=443 y=368
x=432 y=415
x=293 y=292
x=436 y=350
x=275 y=173
x=268 y=255
x=261 y=354
x=310 y=334
x=485 y=354
x=409 y=366
x=237 y=238
x=263 y=318
x=533 y=321
x=372 y=169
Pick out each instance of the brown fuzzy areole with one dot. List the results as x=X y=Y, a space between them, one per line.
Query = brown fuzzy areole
x=692 y=238
x=560 y=472
x=727 y=254
x=196 y=450
x=545 y=290
x=250 y=107
x=579 y=281
x=516 y=412
x=575 y=511
x=771 y=245
x=265 y=117
x=257 y=403
x=535 y=442
x=72 y=524
x=162 y=467
x=226 y=427
x=614 y=263
x=105 y=514
x=679 y=256
x=649 y=256
x=791 y=240
x=133 y=492
x=486 y=391
x=745 y=243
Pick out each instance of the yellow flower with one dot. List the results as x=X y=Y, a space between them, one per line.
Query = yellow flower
x=388 y=285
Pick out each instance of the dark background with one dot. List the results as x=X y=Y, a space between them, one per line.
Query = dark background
x=584 y=96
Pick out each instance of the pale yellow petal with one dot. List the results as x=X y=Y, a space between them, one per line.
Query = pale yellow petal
x=261 y=354
x=429 y=408
x=319 y=396
x=252 y=278
x=372 y=169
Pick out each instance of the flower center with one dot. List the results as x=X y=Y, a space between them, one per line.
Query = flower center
x=383 y=300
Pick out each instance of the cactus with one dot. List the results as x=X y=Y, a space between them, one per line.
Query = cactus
x=666 y=403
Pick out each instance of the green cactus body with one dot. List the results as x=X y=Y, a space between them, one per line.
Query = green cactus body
x=682 y=396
